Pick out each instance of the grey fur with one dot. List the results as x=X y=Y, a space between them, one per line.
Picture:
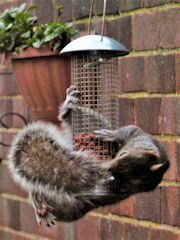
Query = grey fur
x=64 y=184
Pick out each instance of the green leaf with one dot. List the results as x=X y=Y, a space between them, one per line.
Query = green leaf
x=50 y=37
x=56 y=46
x=32 y=20
x=9 y=26
x=2 y=26
x=18 y=30
x=31 y=8
x=21 y=8
x=37 y=44
x=26 y=34
x=69 y=25
x=10 y=45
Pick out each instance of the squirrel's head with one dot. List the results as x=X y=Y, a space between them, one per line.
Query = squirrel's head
x=140 y=170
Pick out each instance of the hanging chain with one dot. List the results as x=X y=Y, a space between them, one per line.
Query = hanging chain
x=103 y=21
x=90 y=18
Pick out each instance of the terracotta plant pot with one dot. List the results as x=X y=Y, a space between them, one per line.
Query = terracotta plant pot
x=42 y=77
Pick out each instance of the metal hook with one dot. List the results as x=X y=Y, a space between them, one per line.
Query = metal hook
x=5 y=126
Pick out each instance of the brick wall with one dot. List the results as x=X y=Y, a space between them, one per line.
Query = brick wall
x=149 y=97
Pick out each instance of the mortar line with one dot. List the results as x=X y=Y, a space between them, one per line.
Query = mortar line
x=10 y=130
x=134 y=95
x=150 y=52
x=168 y=137
x=154 y=52
x=18 y=96
x=23 y=234
x=14 y=197
x=143 y=223
x=166 y=182
x=130 y=13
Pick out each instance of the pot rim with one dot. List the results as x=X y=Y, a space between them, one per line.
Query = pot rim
x=34 y=52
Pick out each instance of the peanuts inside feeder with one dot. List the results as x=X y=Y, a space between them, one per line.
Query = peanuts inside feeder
x=94 y=71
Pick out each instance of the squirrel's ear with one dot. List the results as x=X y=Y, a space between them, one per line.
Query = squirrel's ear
x=153 y=152
x=156 y=167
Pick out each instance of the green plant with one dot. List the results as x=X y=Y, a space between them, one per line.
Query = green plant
x=18 y=30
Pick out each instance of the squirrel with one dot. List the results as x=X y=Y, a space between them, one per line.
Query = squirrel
x=64 y=184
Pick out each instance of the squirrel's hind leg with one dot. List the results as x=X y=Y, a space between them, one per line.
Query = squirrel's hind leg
x=42 y=210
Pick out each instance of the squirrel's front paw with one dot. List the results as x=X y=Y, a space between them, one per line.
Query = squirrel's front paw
x=72 y=91
x=105 y=135
x=70 y=104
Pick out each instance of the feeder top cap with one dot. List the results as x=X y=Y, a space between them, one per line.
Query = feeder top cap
x=91 y=43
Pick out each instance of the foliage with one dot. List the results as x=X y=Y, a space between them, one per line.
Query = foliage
x=18 y=30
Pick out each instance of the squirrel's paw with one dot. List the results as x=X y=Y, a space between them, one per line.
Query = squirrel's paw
x=71 y=102
x=42 y=210
x=105 y=135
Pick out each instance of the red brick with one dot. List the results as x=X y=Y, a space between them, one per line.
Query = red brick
x=132 y=74
x=129 y=5
x=58 y=231
x=171 y=149
x=9 y=213
x=5 y=137
x=154 y=234
x=135 y=232
x=161 y=234
x=6 y=69
x=104 y=210
x=171 y=115
x=69 y=231
x=7 y=81
x=12 y=236
x=177 y=71
x=126 y=107
x=3 y=59
x=8 y=84
x=81 y=8
x=88 y=228
x=44 y=11
x=111 y=7
x=110 y=230
x=148 y=206
x=7 y=185
x=82 y=28
x=145 y=31
x=170 y=206
x=96 y=27
x=14 y=3
x=147 y=112
x=178 y=160
x=169 y=19
x=6 y=106
x=167 y=235
x=20 y=107
x=55 y=231
x=153 y=3
x=120 y=29
x=66 y=12
x=123 y=208
x=160 y=73
x=27 y=218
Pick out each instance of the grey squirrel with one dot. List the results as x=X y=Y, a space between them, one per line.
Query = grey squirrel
x=64 y=184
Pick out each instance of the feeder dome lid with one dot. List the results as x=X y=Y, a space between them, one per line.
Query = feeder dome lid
x=93 y=43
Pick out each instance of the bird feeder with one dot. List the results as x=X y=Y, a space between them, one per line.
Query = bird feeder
x=94 y=71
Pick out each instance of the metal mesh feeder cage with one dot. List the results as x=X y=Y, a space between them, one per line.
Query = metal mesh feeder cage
x=94 y=71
